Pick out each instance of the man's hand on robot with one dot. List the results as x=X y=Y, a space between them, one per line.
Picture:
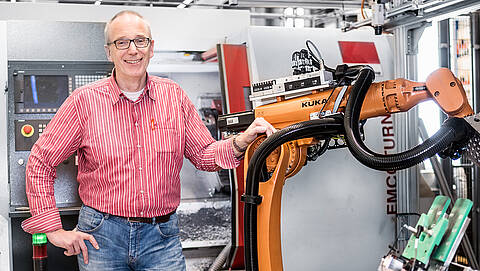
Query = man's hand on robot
x=258 y=126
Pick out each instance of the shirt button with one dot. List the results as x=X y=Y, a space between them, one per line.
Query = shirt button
x=139 y=168
x=138 y=146
x=136 y=124
x=141 y=192
x=141 y=213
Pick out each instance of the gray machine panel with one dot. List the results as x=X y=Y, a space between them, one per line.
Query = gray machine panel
x=55 y=41
x=66 y=186
x=34 y=107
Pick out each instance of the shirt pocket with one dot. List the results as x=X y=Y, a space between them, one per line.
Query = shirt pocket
x=166 y=140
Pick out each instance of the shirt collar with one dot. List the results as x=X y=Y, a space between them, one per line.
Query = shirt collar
x=116 y=92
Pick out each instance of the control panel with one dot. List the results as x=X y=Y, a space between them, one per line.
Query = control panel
x=39 y=91
x=27 y=132
x=36 y=90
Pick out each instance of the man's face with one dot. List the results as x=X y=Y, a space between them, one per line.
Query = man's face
x=129 y=63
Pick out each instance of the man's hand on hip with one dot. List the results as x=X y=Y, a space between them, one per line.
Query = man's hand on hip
x=72 y=241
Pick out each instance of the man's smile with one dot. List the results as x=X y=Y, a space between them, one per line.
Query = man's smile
x=133 y=61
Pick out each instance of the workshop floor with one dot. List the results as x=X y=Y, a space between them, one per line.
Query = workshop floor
x=204 y=230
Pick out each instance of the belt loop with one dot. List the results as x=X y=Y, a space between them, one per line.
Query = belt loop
x=153 y=220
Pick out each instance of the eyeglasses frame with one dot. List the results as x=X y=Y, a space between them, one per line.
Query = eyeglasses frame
x=130 y=42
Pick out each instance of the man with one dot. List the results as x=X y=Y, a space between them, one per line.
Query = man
x=130 y=131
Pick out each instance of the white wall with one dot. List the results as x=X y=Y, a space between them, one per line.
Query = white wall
x=4 y=195
x=173 y=29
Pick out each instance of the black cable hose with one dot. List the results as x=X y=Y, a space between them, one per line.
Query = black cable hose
x=454 y=129
x=325 y=127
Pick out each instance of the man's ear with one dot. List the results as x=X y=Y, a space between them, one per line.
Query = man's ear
x=152 y=42
x=107 y=52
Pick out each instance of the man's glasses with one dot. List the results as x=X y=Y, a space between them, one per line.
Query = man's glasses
x=123 y=44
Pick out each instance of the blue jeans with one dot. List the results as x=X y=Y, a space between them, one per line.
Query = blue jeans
x=126 y=246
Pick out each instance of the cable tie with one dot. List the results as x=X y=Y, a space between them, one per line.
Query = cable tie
x=250 y=199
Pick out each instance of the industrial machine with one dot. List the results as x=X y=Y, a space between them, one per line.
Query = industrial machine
x=36 y=89
x=325 y=108
x=434 y=240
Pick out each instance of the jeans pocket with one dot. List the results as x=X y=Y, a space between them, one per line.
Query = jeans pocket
x=89 y=220
x=169 y=228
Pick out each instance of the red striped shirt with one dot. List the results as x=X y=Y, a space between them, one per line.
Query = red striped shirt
x=129 y=153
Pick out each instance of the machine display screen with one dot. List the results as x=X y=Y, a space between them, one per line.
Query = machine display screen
x=45 y=91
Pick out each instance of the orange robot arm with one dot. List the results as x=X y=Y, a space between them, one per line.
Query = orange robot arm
x=383 y=98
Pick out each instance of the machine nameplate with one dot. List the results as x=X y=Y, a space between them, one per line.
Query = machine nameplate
x=231 y=121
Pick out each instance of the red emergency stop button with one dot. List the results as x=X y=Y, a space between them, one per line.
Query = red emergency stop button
x=27 y=130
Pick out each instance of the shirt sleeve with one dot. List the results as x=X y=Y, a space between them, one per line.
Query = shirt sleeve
x=200 y=148
x=60 y=139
